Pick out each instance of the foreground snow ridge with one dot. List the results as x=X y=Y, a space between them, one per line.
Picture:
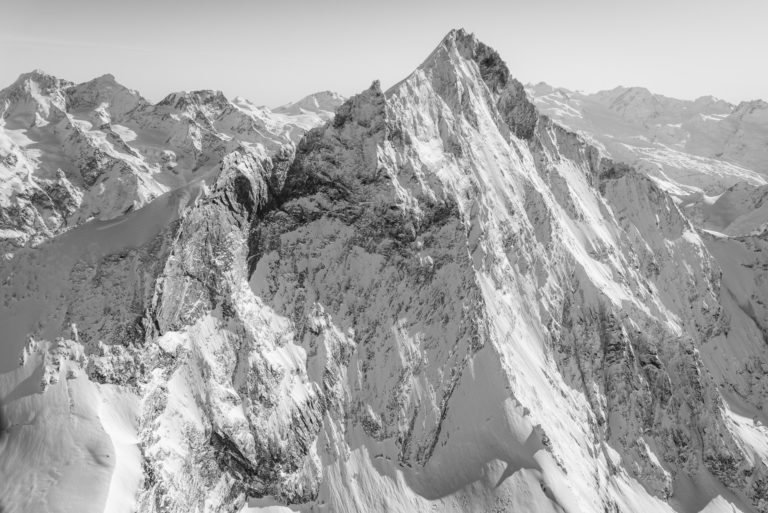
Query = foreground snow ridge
x=436 y=299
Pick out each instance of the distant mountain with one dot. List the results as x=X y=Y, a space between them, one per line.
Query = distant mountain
x=323 y=103
x=73 y=152
x=700 y=146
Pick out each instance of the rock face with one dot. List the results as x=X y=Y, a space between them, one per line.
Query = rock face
x=442 y=300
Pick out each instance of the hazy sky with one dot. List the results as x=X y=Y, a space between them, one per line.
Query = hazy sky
x=273 y=52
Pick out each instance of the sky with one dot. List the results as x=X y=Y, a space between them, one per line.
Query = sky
x=274 y=52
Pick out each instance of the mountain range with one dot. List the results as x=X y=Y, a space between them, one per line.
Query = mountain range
x=460 y=294
x=694 y=146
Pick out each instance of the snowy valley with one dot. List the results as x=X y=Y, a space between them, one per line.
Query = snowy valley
x=459 y=294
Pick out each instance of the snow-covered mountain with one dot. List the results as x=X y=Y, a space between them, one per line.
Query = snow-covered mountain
x=70 y=153
x=705 y=145
x=438 y=300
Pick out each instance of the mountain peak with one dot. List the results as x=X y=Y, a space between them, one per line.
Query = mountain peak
x=32 y=95
x=322 y=101
x=367 y=108
x=104 y=82
x=625 y=94
x=207 y=96
x=460 y=38
x=752 y=105
x=754 y=110
x=38 y=80
x=181 y=100
x=457 y=40
x=107 y=77
x=104 y=90
x=461 y=62
x=36 y=74
x=541 y=88
x=438 y=285
x=460 y=44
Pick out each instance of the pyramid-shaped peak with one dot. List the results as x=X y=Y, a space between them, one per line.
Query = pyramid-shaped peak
x=458 y=40
x=459 y=43
x=461 y=63
x=460 y=37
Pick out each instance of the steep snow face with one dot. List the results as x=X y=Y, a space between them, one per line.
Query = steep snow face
x=441 y=301
x=705 y=145
x=70 y=153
